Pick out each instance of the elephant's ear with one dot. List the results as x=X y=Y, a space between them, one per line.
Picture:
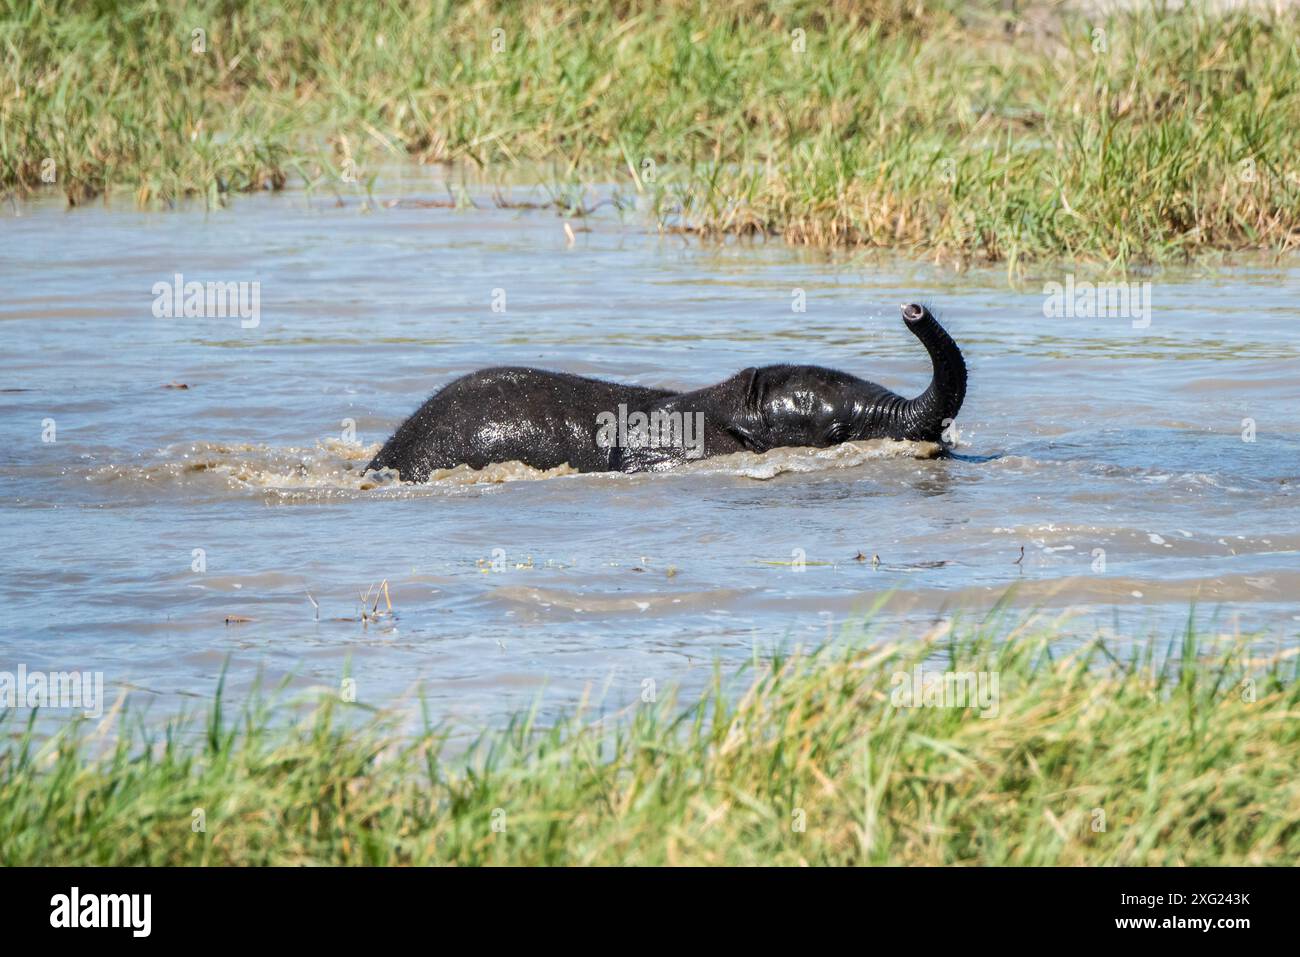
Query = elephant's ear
x=748 y=424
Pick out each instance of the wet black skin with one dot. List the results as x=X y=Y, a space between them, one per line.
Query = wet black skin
x=545 y=419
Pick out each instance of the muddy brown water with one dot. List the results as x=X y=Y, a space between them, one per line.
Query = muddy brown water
x=1144 y=469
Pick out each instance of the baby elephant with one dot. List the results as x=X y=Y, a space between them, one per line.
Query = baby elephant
x=547 y=419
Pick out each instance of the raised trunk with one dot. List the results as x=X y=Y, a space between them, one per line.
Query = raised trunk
x=925 y=417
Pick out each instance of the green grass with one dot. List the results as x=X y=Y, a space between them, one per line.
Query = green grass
x=937 y=128
x=1093 y=757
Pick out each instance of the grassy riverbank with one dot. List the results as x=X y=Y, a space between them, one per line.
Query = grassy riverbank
x=934 y=127
x=1083 y=756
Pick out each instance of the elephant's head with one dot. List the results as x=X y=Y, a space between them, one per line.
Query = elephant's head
x=792 y=405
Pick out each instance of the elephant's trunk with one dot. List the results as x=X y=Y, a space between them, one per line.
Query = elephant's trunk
x=927 y=416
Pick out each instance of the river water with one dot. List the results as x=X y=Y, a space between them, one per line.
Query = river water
x=159 y=533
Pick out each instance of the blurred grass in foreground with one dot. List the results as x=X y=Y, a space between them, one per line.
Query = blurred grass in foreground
x=936 y=127
x=1090 y=758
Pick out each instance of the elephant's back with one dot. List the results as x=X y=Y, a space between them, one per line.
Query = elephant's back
x=510 y=413
x=524 y=384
